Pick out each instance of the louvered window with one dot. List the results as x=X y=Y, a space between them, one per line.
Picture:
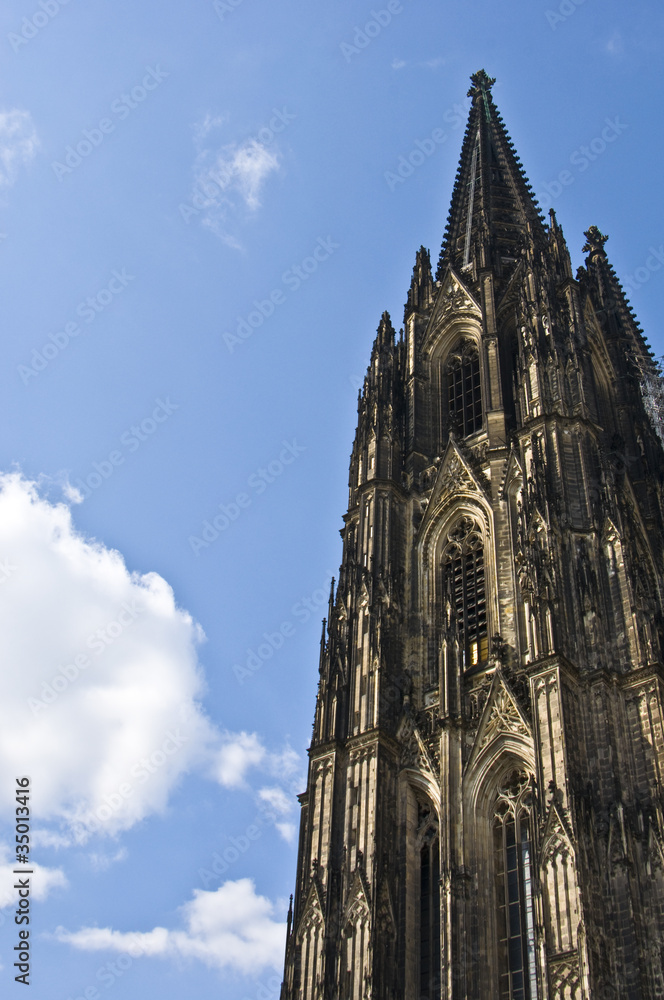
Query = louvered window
x=464 y=390
x=464 y=582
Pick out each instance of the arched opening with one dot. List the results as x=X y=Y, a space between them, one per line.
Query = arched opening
x=465 y=589
x=419 y=817
x=513 y=876
x=430 y=915
x=464 y=390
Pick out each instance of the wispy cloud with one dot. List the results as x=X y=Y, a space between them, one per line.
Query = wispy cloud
x=615 y=45
x=18 y=144
x=238 y=753
x=231 y=928
x=101 y=862
x=421 y=64
x=241 y=753
x=229 y=179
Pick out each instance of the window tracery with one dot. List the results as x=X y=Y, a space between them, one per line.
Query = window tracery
x=514 y=873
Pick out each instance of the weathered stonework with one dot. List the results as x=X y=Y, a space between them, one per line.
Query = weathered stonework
x=484 y=817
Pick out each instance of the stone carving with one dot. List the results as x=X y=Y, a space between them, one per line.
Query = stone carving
x=503 y=717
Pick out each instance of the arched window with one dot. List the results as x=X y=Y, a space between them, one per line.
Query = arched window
x=464 y=585
x=513 y=868
x=464 y=390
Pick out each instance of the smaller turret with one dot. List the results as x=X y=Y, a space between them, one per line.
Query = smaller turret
x=421 y=291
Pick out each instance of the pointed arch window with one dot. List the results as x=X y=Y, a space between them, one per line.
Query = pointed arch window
x=465 y=588
x=464 y=389
x=514 y=868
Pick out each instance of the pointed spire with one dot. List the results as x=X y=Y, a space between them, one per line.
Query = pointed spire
x=385 y=334
x=493 y=216
x=420 y=293
x=609 y=297
x=559 y=247
x=621 y=328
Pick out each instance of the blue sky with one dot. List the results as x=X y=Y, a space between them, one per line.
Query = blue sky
x=201 y=222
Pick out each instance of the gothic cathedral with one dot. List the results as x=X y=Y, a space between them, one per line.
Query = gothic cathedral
x=484 y=817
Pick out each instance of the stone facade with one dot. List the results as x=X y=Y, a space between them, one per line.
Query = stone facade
x=483 y=815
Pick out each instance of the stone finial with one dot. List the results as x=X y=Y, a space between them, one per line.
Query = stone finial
x=595 y=241
x=481 y=81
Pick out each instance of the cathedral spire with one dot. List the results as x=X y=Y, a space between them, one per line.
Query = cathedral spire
x=493 y=216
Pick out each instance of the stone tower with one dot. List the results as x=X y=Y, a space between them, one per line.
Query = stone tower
x=484 y=816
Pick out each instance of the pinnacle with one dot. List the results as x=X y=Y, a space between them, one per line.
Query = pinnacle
x=595 y=241
x=482 y=82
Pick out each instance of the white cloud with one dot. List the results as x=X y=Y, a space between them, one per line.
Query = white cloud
x=228 y=179
x=276 y=798
x=99 y=687
x=42 y=880
x=72 y=493
x=284 y=764
x=101 y=862
x=249 y=166
x=288 y=831
x=238 y=753
x=203 y=128
x=398 y=63
x=18 y=143
x=231 y=928
x=280 y=803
